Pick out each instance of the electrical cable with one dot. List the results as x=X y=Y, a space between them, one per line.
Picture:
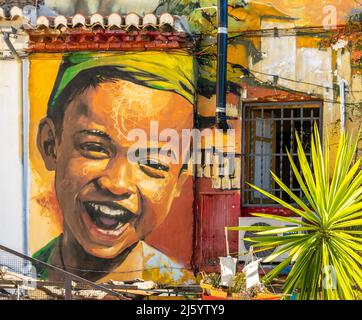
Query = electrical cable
x=307 y=83
x=278 y=32
x=250 y=71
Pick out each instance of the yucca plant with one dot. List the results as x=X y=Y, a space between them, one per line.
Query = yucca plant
x=325 y=248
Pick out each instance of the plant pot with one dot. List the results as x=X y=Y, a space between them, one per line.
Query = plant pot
x=207 y=297
x=237 y=296
x=268 y=297
x=205 y=287
x=218 y=293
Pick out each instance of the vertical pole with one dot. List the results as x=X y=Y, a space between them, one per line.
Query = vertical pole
x=25 y=147
x=221 y=65
x=227 y=242
x=68 y=287
x=342 y=92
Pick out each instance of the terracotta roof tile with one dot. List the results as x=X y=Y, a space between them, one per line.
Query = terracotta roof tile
x=96 y=32
x=114 y=20
x=13 y=13
x=41 y=40
x=285 y=97
x=115 y=32
x=261 y=92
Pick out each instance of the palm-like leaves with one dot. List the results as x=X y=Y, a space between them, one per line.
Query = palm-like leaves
x=326 y=250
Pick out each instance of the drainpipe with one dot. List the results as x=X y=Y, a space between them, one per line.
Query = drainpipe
x=24 y=142
x=343 y=84
x=221 y=65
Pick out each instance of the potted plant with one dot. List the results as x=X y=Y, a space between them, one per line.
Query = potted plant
x=238 y=287
x=218 y=293
x=207 y=281
x=210 y=285
x=216 y=290
x=325 y=248
x=237 y=291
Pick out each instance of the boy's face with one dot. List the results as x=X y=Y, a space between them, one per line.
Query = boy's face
x=109 y=203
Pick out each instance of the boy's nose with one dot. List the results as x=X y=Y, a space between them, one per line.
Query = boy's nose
x=117 y=179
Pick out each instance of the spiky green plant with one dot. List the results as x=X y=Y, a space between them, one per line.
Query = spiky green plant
x=326 y=250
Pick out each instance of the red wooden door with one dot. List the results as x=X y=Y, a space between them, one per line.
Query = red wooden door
x=215 y=211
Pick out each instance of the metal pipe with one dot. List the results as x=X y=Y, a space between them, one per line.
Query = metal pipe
x=25 y=143
x=343 y=84
x=221 y=65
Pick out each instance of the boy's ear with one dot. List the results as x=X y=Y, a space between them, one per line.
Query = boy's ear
x=46 y=141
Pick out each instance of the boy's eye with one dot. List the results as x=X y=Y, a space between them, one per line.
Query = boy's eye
x=94 y=150
x=155 y=165
x=153 y=168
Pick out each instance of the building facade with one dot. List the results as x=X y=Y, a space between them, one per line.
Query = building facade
x=107 y=68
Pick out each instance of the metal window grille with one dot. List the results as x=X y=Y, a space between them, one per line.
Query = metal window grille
x=268 y=132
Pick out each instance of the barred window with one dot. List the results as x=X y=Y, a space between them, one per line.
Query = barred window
x=268 y=131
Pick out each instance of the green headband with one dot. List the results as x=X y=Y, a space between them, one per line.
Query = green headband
x=157 y=70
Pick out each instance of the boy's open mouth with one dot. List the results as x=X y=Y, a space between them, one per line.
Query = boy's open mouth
x=108 y=216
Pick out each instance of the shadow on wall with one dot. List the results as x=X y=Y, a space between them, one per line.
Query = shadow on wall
x=104 y=7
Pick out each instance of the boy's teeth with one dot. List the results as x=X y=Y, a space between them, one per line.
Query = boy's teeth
x=95 y=206
x=106 y=210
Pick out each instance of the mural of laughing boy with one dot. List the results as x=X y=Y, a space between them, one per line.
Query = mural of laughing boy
x=109 y=204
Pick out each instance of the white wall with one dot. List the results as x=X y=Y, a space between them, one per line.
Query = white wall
x=314 y=66
x=353 y=113
x=279 y=55
x=11 y=195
